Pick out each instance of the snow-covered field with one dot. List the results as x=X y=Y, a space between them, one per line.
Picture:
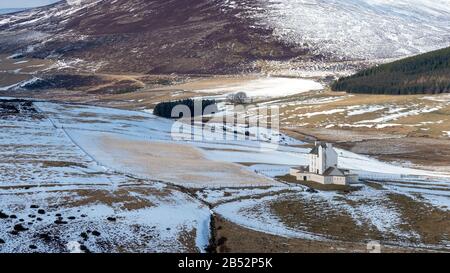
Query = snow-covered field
x=270 y=87
x=85 y=165
x=148 y=218
x=368 y=208
x=144 y=127
x=54 y=195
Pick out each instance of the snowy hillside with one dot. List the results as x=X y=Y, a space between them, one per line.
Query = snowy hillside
x=358 y=28
x=224 y=36
x=123 y=33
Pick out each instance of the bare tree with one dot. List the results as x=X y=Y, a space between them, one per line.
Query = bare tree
x=238 y=98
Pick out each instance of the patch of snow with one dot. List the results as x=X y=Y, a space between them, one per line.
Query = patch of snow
x=397 y=114
x=387 y=125
x=20 y=84
x=438 y=98
x=15 y=55
x=21 y=62
x=271 y=170
x=243 y=213
x=365 y=110
x=74 y=247
x=269 y=87
x=328 y=112
x=214 y=196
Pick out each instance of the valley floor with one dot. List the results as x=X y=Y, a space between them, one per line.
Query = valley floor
x=417 y=127
x=108 y=180
x=101 y=173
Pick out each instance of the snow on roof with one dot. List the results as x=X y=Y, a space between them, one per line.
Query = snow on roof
x=332 y=171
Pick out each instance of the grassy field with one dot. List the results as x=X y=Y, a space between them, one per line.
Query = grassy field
x=232 y=238
x=416 y=115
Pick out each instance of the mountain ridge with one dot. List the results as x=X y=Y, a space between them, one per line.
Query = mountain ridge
x=161 y=37
x=223 y=36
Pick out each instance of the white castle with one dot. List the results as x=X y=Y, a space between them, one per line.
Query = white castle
x=323 y=167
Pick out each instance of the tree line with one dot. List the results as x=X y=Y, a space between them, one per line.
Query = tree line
x=427 y=73
x=166 y=109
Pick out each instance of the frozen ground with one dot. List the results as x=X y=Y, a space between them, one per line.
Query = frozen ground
x=145 y=218
x=269 y=87
x=53 y=194
x=85 y=165
x=222 y=146
x=134 y=142
x=365 y=213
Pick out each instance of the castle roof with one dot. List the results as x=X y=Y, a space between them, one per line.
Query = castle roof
x=315 y=150
x=332 y=171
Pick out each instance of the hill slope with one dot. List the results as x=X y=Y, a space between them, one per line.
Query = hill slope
x=151 y=36
x=426 y=73
x=361 y=29
x=224 y=36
